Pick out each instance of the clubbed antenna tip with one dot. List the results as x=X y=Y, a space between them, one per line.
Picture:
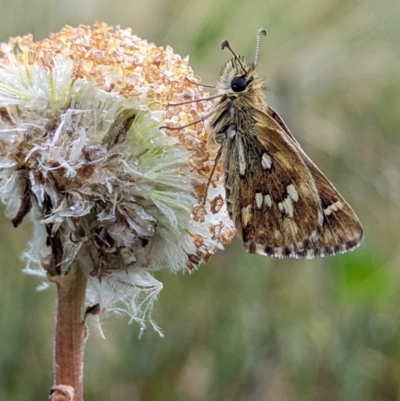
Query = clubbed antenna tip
x=260 y=32
x=225 y=44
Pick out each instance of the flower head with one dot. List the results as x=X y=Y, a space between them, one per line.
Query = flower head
x=81 y=149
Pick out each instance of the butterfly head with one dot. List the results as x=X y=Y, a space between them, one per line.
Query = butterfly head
x=238 y=75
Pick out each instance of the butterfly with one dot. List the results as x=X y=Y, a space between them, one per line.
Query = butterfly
x=280 y=202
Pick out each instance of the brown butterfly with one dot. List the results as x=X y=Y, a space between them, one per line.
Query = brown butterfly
x=280 y=202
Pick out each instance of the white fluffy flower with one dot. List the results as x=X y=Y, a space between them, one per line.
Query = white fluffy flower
x=81 y=149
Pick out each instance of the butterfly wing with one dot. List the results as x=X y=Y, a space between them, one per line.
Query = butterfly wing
x=271 y=194
x=341 y=229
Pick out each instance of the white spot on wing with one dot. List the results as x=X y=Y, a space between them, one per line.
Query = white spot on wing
x=291 y=190
x=259 y=199
x=268 y=200
x=242 y=159
x=288 y=206
x=232 y=134
x=266 y=161
x=333 y=208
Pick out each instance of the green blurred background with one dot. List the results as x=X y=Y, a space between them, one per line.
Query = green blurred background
x=245 y=327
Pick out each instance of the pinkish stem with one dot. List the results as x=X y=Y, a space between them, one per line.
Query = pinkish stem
x=70 y=336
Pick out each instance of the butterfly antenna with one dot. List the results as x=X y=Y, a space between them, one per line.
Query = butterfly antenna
x=224 y=44
x=260 y=32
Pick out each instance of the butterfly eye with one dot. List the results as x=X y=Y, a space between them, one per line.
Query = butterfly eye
x=239 y=84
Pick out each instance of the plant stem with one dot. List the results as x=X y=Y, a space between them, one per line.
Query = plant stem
x=70 y=335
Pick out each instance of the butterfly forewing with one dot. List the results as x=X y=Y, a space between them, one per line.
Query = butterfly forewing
x=269 y=191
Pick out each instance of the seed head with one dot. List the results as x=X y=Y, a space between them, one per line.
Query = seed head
x=81 y=151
